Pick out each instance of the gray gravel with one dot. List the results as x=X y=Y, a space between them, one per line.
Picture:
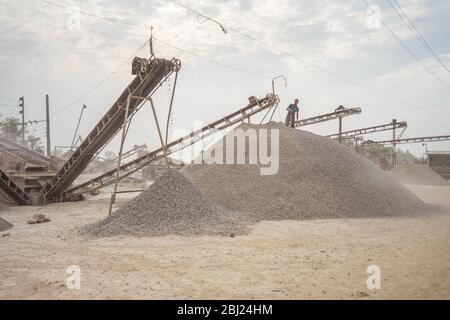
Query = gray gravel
x=171 y=205
x=318 y=178
x=4 y=225
x=418 y=174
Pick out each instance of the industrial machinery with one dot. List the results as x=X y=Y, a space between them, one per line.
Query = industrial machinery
x=394 y=142
x=337 y=114
x=409 y=140
x=358 y=132
x=340 y=113
x=107 y=163
x=255 y=106
x=150 y=75
x=12 y=191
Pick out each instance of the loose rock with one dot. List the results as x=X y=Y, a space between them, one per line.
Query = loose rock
x=38 y=218
x=171 y=205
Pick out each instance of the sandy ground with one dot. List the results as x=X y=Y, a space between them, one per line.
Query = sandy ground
x=322 y=259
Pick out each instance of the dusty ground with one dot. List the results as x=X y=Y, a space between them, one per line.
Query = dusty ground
x=323 y=259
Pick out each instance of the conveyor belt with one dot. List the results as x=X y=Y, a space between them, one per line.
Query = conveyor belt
x=113 y=161
x=380 y=128
x=108 y=178
x=328 y=117
x=150 y=76
x=12 y=191
x=409 y=140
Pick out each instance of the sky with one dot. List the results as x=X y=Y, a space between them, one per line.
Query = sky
x=331 y=52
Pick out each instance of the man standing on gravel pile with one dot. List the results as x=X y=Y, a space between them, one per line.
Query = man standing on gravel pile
x=292 y=115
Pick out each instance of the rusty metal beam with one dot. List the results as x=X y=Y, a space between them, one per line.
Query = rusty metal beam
x=409 y=140
x=358 y=132
x=328 y=117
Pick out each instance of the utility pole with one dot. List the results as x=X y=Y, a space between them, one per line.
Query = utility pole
x=78 y=126
x=47 y=113
x=338 y=109
x=22 y=111
x=394 y=145
x=119 y=158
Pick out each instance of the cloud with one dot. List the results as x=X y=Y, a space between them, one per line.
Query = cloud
x=40 y=54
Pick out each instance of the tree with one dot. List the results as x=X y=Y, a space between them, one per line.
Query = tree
x=11 y=128
x=35 y=143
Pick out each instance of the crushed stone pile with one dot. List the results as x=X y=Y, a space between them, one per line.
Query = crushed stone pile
x=4 y=225
x=171 y=205
x=318 y=178
x=38 y=219
x=418 y=174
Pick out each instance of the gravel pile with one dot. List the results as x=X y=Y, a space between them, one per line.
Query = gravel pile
x=4 y=225
x=171 y=205
x=318 y=178
x=418 y=174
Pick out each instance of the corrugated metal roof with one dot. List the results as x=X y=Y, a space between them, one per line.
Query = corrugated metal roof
x=22 y=152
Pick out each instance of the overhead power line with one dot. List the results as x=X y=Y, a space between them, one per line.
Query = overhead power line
x=9 y=114
x=411 y=26
x=412 y=54
x=8 y=99
x=114 y=20
x=429 y=130
x=262 y=43
x=213 y=61
x=8 y=105
x=99 y=84
x=86 y=13
x=321 y=69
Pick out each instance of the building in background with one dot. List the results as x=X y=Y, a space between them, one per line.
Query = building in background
x=28 y=169
x=439 y=162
